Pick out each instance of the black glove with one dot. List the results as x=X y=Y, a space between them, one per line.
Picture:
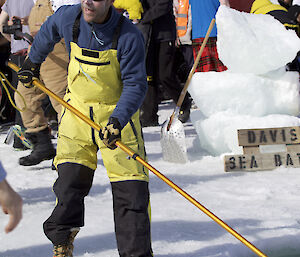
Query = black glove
x=111 y=133
x=28 y=72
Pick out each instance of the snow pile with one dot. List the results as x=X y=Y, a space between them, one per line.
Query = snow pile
x=240 y=98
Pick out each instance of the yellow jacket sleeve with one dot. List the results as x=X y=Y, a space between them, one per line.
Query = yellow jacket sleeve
x=133 y=7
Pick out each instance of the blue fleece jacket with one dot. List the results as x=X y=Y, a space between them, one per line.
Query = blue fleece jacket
x=130 y=51
x=203 y=11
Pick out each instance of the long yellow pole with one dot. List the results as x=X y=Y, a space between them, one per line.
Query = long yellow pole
x=133 y=155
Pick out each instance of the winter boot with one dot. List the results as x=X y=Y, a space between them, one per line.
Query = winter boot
x=66 y=250
x=42 y=148
x=185 y=110
x=184 y=115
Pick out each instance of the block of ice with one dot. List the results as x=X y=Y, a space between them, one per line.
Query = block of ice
x=246 y=93
x=218 y=133
x=253 y=43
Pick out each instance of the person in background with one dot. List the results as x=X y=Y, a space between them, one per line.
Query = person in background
x=53 y=73
x=293 y=7
x=202 y=13
x=19 y=9
x=287 y=14
x=10 y=201
x=107 y=82
x=133 y=8
x=159 y=30
x=184 y=52
x=278 y=11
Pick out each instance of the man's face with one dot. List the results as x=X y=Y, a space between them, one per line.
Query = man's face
x=95 y=11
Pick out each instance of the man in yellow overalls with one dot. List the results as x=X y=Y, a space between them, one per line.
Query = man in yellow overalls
x=107 y=82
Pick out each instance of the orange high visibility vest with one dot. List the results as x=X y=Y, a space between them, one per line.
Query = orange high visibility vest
x=182 y=17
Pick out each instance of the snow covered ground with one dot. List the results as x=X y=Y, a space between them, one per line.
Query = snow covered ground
x=262 y=206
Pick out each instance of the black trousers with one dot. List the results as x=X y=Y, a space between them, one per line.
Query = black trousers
x=18 y=60
x=184 y=61
x=9 y=112
x=160 y=63
x=130 y=207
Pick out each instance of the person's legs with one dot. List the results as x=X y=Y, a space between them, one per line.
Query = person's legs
x=72 y=185
x=54 y=73
x=75 y=162
x=54 y=76
x=18 y=60
x=149 y=108
x=129 y=181
x=187 y=52
x=132 y=222
x=183 y=62
x=168 y=79
x=33 y=116
x=36 y=125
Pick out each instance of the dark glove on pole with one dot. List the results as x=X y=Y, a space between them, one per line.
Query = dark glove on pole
x=28 y=72
x=111 y=133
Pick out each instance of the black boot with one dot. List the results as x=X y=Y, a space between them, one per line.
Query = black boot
x=42 y=148
x=185 y=110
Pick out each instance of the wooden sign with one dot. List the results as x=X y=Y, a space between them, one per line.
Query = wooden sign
x=253 y=160
x=269 y=136
x=266 y=161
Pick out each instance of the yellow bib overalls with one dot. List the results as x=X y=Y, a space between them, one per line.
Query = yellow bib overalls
x=94 y=88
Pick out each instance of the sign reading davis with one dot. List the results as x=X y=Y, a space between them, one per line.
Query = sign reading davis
x=269 y=136
x=253 y=159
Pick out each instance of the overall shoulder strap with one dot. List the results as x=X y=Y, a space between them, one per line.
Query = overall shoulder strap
x=117 y=32
x=75 y=29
